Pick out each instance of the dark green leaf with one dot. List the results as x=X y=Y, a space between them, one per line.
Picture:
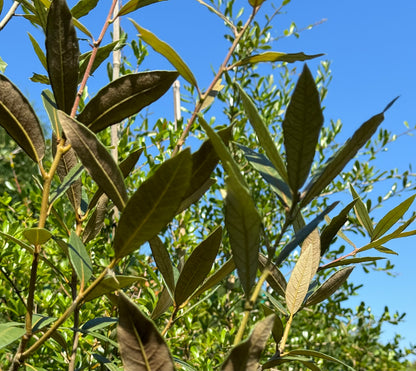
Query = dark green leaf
x=72 y=176
x=79 y=257
x=39 y=321
x=43 y=79
x=276 y=279
x=340 y=263
x=163 y=261
x=197 y=267
x=153 y=205
x=385 y=250
x=276 y=304
x=301 y=127
x=20 y=121
x=142 y=348
x=96 y=221
x=39 y=52
x=168 y=52
x=277 y=330
x=361 y=212
x=314 y=353
x=245 y=356
x=133 y=5
x=125 y=97
x=98 y=323
x=164 y=302
x=62 y=52
x=9 y=334
x=337 y=162
x=277 y=57
x=37 y=236
x=83 y=7
x=331 y=285
x=275 y=361
x=195 y=197
x=52 y=111
x=96 y=159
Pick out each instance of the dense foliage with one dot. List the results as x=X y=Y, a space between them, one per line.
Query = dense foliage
x=158 y=257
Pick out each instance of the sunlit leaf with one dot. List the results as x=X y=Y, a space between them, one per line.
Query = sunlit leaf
x=83 y=7
x=153 y=205
x=245 y=356
x=39 y=321
x=163 y=261
x=256 y=3
x=343 y=262
x=301 y=127
x=168 y=52
x=62 y=52
x=314 y=353
x=9 y=334
x=39 y=52
x=20 y=121
x=209 y=99
x=79 y=257
x=37 y=236
x=197 y=266
x=125 y=97
x=361 y=212
x=82 y=28
x=141 y=346
x=43 y=79
x=133 y=5
x=3 y=65
x=277 y=57
x=96 y=159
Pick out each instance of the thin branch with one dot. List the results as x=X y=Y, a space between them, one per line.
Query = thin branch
x=9 y=15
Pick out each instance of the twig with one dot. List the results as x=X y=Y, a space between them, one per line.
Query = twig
x=9 y=15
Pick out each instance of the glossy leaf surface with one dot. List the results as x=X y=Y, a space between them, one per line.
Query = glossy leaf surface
x=142 y=348
x=125 y=97
x=79 y=257
x=277 y=57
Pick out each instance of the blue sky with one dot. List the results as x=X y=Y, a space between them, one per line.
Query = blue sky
x=372 y=49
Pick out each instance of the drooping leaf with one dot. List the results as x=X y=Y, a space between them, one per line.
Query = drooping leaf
x=385 y=250
x=96 y=159
x=275 y=279
x=245 y=356
x=9 y=334
x=300 y=278
x=39 y=52
x=197 y=267
x=263 y=135
x=301 y=127
x=314 y=353
x=133 y=5
x=79 y=257
x=168 y=52
x=277 y=57
x=391 y=218
x=142 y=348
x=343 y=262
x=125 y=97
x=113 y=283
x=83 y=7
x=163 y=261
x=62 y=52
x=82 y=28
x=361 y=212
x=153 y=205
x=337 y=162
x=37 y=236
x=277 y=360
x=20 y=121
x=331 y=285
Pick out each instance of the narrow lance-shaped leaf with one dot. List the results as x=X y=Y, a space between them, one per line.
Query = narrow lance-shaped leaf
x=62 y=52
x=337 y=162
x=67 y=182
x=314 y=353
x=133 y=5
x=277 y=57
x=39 y=52
x=163 y=262
x=153 y=205
x=79 y=257
x=125 y=97
x=9 y=334
x=168 y=52
x=331 y=285
x=96 y=220
x=197 y=266
x=96 y=159
x=276 y=279
x=245 y=356
x=20 y=121
x=361 y=212
x=343 y=262
x=301 y=127
x=83 y=7
x=142 y=348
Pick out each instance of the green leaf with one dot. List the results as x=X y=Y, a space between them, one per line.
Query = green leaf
x=39 y=52
x=133 y=5
x=72 y=176
x=301 y=127
x=331 y=285
x=275 y=361
x=245 y=356
x=266 y=169
x=43 y=79
x=276 y=304
x=62 y=52
x=366 y=259
x=314 y=353
x=256 y=3
x=82 y=28
x=79 y=257
x=164 y=302
x=301 y=276
x=37 y=236
x=125 y=97
x=20 y=121
x=168 y=52
x=391 y=218
x=275 y=279
x=3 y=65
x=141 y=346
x=52 y=111
x=83 y=7
x=263 y=135
x=39 y=321
x=9 y=334
x=106 y=362
x=277 y=57
x=96 y=221
x=98 y=323
x=361 y=212
x=153 y=205
x=337 y=162
x=277 y=330
x=163 y=261
x=96 y=159
x=197 y=267
x=112 y=283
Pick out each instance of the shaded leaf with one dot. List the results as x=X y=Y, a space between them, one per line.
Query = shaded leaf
x=96 y=159
x=256 y=3
x=277 y=330
x=361 y=212
x=133 y=5
x=39 y=321
x=96 y=220
x=20 y=121
x=37 y=236
x=153 y=205
x=275 y=361
x=245 y=356
x=164 y=302
x=276 y=304
x=331 y=285
x=62 y=52
x=194 y=197
x=197 y=267
x=9 y=334
x=141 y=346
x=83 y=7
x=168 y=52
x=277 y=57
x=314 y=353
x=52 y=111
x=275 y=279
x=263 y=135
x=106 y=362
x=72 y=176
x=366 y=259
x=337 y=162
x=301 y=127
x=79 y=257
x=163 y=261
x=125 y=97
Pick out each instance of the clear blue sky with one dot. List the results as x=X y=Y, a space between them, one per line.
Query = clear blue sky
x=372 y=47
